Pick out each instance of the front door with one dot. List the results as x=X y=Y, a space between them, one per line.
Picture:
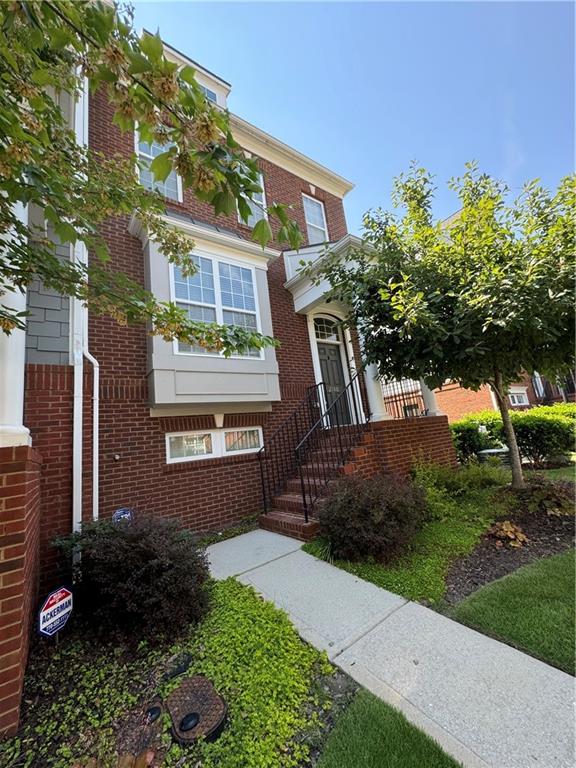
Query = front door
x=333 y=378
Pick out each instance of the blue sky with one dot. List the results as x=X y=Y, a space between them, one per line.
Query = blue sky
x=364 y=88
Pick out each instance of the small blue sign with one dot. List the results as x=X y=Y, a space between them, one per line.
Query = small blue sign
x=124 y=513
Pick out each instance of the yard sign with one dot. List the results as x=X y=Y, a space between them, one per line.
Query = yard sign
x=55 y=612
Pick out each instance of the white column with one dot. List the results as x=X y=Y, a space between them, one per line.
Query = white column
x=375 y=395
x=12 y=359
x=430 y=402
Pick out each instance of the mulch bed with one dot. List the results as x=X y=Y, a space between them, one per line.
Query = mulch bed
x=546 y=536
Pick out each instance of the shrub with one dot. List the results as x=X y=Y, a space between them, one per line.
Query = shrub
x=469 y=440
x=567 y=410
x=459 y=482
x=542 y=433
x=541 y=438
x=371 y=517
x=541 y=497
x=144 y=575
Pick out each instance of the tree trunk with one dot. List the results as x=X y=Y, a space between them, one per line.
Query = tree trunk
x=514 y=453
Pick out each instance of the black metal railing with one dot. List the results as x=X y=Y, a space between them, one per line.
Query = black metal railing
x=403 y=399
x=277 y=456
x=328 y=442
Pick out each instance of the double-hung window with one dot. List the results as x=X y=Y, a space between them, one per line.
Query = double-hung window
x=210 y=95
x=315 y=220
x=211 y=444
x=218 y=292
x=170 y=187
x=257 y=206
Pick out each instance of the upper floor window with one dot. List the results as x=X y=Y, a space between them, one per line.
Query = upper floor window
x=257 y=206
x=315 y=220
x=210 y=95
x=170 y=187
x=218 y=292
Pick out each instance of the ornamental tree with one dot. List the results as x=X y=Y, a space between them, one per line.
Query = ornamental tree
x=47 y=51
x=478 y=299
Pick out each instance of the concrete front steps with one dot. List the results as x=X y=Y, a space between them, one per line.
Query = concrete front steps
x=287 y=515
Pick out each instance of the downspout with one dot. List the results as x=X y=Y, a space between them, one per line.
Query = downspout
x=81 y=351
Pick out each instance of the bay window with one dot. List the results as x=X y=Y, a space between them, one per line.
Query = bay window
x=218 y=292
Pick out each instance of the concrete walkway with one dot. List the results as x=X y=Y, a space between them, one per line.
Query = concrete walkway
x=485 y=703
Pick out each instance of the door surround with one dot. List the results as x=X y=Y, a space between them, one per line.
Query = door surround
x=345 y=345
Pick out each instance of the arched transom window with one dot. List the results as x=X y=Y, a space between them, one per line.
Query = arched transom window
x=326 y=329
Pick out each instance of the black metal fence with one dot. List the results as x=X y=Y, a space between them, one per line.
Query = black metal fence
x=403 y=399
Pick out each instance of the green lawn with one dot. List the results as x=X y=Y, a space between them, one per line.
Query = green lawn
x=531 y=609
x=420 y=574
x=370 y=734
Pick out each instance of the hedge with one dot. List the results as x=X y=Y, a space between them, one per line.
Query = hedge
x=543 y=433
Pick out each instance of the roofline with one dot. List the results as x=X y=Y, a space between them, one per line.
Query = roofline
x=187 y=60
x=313 y=172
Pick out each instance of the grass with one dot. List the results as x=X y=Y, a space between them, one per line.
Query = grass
x=531 y=609
x=370 y=734
x=78 y=695
x=420 y=574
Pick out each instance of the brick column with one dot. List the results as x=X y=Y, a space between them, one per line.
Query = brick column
x=19 y=537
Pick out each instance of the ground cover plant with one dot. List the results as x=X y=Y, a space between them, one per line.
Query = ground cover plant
x=81 y=695
x=459 y=508
x=371 y=734
x=532 y=609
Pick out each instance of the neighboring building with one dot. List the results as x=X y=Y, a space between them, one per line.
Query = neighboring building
x=455 y=401
x=113 y=417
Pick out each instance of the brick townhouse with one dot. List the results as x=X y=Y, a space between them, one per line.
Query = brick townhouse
x=95 y=416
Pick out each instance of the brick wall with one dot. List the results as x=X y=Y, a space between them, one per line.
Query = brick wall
x=456 y=402
x=395 y=445
x=19 y=542
x=133 y=469
x=48 y=408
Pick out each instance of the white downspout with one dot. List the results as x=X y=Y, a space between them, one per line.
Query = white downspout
x=80 y=351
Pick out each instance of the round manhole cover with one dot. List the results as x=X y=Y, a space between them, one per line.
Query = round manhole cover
x=196 y=709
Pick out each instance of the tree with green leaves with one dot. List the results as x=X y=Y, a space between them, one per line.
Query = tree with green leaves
x=477 y=299
x=48 y=50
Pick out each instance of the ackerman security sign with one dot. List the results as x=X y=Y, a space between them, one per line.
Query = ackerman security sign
x=55 y=611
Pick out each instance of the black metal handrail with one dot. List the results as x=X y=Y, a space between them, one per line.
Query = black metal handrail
x=328 y=442
x=277 y=456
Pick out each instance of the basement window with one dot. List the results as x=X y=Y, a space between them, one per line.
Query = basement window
x=209 y=444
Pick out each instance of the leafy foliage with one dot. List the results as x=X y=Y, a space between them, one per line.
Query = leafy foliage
x=145 y=575
x=478 y=299
x=507 y=534
x=469 y=440
x=373 y=517
x=78 y=695
x=541 y=433
x=460 y=507
x=47 y=49
x=541 y=496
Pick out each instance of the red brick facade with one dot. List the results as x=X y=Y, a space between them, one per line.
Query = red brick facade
x=456 y=402
x=19 y=542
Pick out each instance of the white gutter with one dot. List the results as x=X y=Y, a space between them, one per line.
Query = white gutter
x=80 y=351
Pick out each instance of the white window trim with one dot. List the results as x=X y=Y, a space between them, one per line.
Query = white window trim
x=218 y=444
x=315 y=199
x=218 y=306
x=518 y=392
x=205 y=90
x=179 y=189
x=264 y=211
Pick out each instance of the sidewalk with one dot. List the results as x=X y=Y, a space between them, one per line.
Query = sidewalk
x=485 y=703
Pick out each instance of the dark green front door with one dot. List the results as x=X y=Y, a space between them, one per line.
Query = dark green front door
x=333 y=378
